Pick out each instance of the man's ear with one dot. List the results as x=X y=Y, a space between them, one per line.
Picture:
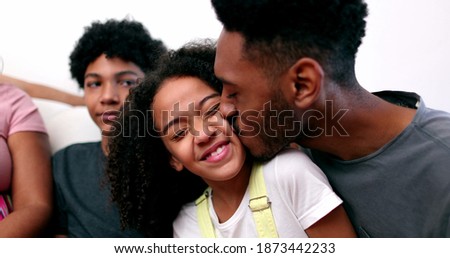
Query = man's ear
x=307 y=76
x=176 y=164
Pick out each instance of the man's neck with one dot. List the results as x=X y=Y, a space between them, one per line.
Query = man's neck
x=368 y=124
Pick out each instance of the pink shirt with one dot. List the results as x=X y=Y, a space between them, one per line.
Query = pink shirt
x=17 y=114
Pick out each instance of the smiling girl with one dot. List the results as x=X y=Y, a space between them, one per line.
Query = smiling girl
x=186 y=142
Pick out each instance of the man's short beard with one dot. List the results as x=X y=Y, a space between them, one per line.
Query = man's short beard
x=277 y=124
x=272 y=144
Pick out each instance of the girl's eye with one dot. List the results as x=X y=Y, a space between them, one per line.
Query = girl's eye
x=212 y=111
x=179 y=134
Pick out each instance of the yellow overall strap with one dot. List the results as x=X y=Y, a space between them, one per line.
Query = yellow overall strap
x=260 y=204
x=204 y=220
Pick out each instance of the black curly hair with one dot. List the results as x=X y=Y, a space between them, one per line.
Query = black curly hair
x=278 y=32
x=126 y=39
x=149 y=192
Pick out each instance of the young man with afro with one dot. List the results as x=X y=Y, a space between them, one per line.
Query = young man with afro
x=108 y=60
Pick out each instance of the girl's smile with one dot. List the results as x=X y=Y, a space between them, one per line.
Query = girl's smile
x=197 y=136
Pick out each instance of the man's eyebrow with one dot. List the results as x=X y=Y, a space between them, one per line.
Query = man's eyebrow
x=224 y=81
x=200 y=105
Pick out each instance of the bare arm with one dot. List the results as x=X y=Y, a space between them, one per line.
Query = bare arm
x=44 y=92
x=334 y=224
x=31 y=186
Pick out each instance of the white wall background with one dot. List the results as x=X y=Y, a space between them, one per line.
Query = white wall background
x=407 y=45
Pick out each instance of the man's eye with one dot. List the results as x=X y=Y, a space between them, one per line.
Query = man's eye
x=233 y=95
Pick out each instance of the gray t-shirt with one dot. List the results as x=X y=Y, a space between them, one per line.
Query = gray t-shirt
x=403 y=189
x=83 y=205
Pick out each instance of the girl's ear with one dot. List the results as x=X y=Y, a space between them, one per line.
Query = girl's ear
x=176 y=164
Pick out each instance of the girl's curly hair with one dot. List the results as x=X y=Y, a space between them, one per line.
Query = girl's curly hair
x=149 y=192
x=126 y=39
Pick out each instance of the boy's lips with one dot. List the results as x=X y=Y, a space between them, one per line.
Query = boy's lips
x=109 y=116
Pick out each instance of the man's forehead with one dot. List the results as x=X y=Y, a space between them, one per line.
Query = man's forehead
x=229 y=41
x=228 y=54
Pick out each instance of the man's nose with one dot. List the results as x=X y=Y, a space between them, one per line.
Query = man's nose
x=227 y=109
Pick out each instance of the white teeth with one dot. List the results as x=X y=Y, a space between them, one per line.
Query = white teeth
x=217 y=152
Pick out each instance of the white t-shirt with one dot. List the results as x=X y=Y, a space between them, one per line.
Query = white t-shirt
x=298 y=190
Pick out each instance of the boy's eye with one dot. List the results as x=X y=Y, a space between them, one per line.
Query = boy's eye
x=93 y=84
x=128 y=83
